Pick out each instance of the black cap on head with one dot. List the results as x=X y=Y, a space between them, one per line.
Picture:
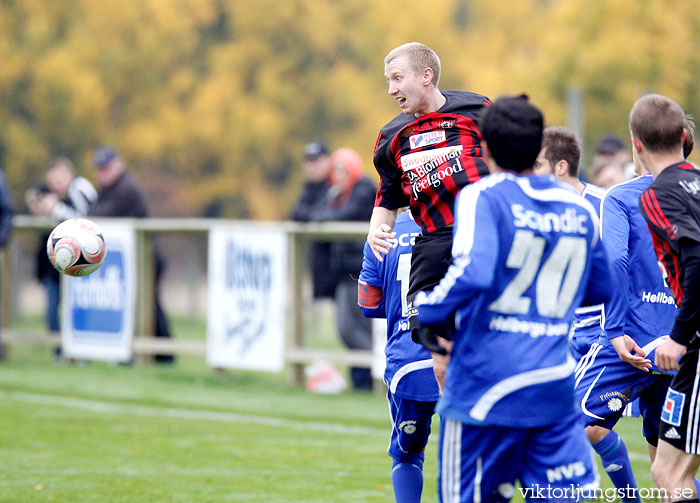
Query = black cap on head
x=610 y=143
x=314 y=150
x=512 y=128
x=103 y=155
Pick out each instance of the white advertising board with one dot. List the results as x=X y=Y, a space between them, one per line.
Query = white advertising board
x=98 y=310
x=247 y=299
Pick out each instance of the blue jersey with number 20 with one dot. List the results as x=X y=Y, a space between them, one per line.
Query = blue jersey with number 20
x=524 y=250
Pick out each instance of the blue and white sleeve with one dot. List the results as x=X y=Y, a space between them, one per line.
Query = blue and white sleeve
x=474 y=257
x=614 y=232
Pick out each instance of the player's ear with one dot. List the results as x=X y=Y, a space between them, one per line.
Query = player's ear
x=636 y=145
x=427 y=77
x=561 y=168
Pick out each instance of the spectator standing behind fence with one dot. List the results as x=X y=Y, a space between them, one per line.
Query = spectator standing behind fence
x=64 y=196
x=612 y=162
x=6 y=213
x=121 y=195
x=317 y=164
x=351 y=198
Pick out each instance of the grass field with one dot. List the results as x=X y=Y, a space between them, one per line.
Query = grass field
x=183 y=433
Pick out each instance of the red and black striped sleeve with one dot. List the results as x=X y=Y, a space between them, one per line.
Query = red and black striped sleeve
x=676 y=238
x=688 y=319
x=390 y=193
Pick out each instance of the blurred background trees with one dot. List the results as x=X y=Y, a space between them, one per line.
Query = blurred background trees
x=211 y=101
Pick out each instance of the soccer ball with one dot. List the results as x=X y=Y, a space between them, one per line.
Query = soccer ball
x=76 y=247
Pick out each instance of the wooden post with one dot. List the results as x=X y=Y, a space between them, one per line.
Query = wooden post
x=297 y=260
x=145 y=316
x=6 y=285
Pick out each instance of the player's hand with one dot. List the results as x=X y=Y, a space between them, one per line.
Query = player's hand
x=440 y=362
x=668 y=354
x=378 y=239
x=428 y=337
x=624 y=346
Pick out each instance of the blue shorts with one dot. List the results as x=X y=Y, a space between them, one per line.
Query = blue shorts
x=482 y=463
x=581 y=340
x=410 y=422
x=605 y=385
x=632 y=409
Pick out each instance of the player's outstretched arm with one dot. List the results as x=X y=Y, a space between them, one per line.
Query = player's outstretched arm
x=685 y=327
x=615 y=232
x=380 y=226
x=598 y=290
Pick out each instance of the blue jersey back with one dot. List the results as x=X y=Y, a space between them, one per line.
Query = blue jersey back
x=644 y=309
x=409 y=366
x=594 y=195
x=524 y=250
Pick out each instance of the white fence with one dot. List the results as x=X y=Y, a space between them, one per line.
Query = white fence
x=298 y=237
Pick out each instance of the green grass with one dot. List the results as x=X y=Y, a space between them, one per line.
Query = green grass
x=183 y=433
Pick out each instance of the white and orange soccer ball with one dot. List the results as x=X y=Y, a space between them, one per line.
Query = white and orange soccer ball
x=76 y=247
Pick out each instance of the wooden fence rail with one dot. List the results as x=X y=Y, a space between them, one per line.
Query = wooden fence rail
x=299 y=235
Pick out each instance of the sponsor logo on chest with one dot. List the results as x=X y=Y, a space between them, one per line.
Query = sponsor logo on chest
x=425 y=139
x=428 y=160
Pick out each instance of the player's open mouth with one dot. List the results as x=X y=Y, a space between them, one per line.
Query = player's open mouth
x=402 y=102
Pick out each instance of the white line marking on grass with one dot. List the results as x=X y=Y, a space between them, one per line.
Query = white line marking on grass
x=227 y=417
x=635 y=456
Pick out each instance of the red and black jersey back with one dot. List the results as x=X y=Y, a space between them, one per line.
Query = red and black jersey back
x=425 y=161
x=671 y=207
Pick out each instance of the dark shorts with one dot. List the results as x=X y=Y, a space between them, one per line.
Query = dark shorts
x=430 y=259
x=680 y=416
x=432 y=255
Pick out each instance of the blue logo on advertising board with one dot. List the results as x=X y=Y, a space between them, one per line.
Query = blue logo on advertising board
x=249 y=281
x=99 y=300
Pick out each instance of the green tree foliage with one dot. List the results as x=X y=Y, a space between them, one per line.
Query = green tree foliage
x=214 y=99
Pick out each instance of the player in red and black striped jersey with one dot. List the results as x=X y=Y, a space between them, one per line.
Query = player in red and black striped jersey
x=426 y=160
x=671 y=207
x=424 y=157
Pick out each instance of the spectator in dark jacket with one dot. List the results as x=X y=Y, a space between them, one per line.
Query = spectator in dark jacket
x=350 y=198
x=6 y=214
x=121 y=195
x=65 y=195
x=6 y=211
x=317 y=164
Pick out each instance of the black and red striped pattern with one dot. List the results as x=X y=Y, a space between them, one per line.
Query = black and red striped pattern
x=425 y=161
x=671 y=207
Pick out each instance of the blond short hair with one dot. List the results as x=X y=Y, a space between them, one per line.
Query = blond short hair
x=419 y=57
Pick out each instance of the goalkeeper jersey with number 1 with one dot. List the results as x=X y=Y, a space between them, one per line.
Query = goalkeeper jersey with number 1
x=409 y=366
